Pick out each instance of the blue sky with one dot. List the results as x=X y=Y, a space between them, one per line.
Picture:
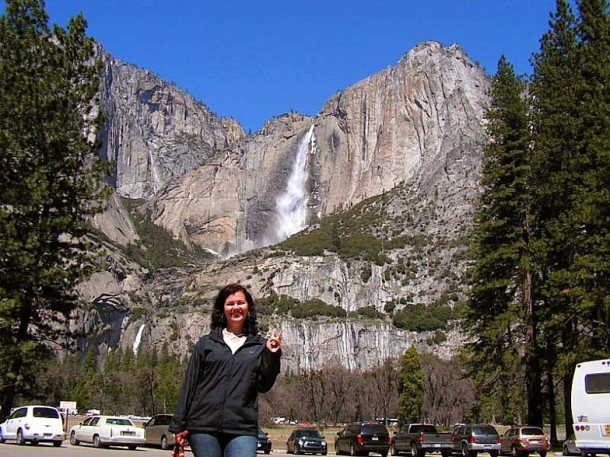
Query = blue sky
x=255 y=59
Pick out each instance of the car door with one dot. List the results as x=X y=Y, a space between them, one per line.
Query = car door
x=88 y=430
x=507 y=440
x=151 y=431
x=78 y=431
x=339 y=441
x=14 y=421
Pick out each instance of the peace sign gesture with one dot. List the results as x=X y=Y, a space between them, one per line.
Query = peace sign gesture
x=274 y=341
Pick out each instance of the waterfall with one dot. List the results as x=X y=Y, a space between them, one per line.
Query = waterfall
x=136 y=343
x=291 y=206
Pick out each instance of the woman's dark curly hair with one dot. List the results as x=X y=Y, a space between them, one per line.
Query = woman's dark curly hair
x=219 y=320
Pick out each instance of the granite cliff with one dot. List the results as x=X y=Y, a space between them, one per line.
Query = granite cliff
x=403 y=145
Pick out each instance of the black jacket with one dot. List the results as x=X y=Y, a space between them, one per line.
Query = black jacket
x=219 y=393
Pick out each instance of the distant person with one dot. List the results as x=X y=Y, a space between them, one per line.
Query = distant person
x=217 y=412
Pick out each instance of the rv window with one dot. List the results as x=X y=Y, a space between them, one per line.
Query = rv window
x=598 y=383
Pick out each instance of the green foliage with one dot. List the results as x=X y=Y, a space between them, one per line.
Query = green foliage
x=422 y=318
x=285 y=305
x=349 y=234
x=146 y=384
x=51 y=183
x=410 y=387
x=157 y=248
x=370 y=312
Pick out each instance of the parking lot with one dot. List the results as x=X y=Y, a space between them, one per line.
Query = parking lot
x=10 y=449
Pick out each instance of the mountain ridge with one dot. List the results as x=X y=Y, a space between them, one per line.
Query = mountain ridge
x=403 y=144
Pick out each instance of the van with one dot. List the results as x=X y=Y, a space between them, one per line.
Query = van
x=33 y=423
x=591 y=406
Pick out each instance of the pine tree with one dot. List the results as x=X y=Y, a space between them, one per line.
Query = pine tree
x=410 y=387
x=50 y=183
x=572 y=163
x=501 y=317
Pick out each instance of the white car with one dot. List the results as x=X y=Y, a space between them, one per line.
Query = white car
x=104 y=431
x=33 y=423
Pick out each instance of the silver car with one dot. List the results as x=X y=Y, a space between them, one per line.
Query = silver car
x=156 y=432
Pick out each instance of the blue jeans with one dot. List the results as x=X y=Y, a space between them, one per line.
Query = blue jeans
x=222 y=445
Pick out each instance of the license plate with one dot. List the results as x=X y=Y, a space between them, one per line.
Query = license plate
x=128 y=433
x=437 y=445
x=375 y=438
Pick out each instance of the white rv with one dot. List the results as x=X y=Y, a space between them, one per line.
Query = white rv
x=591 y=406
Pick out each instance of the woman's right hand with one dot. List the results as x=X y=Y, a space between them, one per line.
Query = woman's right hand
x=181 y=438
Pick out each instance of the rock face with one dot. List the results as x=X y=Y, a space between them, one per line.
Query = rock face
x=410 y=134
x=155 y=131
x=419 y=122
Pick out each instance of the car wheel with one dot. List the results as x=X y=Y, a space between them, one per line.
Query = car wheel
x=57 y=443
x=20 y=439
x=96 y=441
x=337 y=450
x=352 y=451
x=445 y=453
x=542 y=453
x=493 y=453
x=417 y=452
x=464 y=450
x=517 y=453
x=472 y=453
x=164 y=443
x=267 y=451
x=297 y=449
x=73 y=440
x=132 y=448
x=393 y=450
x=565 y=450
x=384 y=454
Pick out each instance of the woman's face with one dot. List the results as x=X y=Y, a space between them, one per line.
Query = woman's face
x=236 y=310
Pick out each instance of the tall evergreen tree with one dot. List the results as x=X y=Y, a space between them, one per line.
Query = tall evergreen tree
x=50 y=183
x=410 y=387
x=501 y=317
x=592 y=261
x=571 y=166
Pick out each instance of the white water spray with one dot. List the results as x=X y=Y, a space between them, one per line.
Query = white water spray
x=292 y=204
x=136 y=343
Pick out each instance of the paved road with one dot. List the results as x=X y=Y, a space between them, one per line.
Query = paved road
x=10 y=449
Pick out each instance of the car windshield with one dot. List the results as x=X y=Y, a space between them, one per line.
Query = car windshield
x=484 y=430
x=309 y=433
x=118 y=421
x=372 y=429
x=532 y=431
x=48 y=413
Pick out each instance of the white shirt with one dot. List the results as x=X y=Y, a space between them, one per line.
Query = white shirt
x=233 y=341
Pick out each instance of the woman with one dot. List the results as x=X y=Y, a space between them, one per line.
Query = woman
x=217 y=411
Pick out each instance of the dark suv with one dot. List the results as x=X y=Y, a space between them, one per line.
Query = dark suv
x=306 y=440
x=471 y=439
x=362 y=438
x=263 y=442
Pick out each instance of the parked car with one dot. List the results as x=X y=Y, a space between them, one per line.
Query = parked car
x=105 y=431
x=524 y=440
x=417 y=439
x=469 y=440
x=264 y=443
x=362 y=438
x=569 y=446
x=33 y=423
x=306 y=440
x=156 y=431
